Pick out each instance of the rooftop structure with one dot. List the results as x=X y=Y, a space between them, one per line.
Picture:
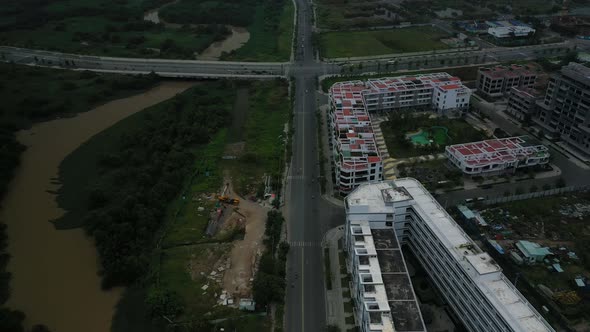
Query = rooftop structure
x=468 y=278
x=496 y=81
x=355 y=152
x=510 y=31
x=532 y=251
x=356 y=158
x=496 y=156
x=437 y=91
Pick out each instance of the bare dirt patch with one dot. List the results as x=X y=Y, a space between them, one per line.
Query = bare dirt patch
x=243 y=256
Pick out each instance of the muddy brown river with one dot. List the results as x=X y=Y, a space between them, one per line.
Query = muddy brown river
x=55 y=279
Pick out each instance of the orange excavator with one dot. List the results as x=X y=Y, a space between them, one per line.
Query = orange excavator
x=228 y=200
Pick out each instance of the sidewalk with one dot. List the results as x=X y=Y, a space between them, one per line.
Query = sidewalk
x=389 y=164
x=335 y=314
x=329 y=193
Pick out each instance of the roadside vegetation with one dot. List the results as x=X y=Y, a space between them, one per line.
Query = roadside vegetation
x=344 y=44
x=400 y=124
x=467 y=73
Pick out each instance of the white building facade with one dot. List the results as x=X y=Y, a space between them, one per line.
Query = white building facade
x=355 y=156
x=497 y=156
x=511 y=31
x=468 y=278
x=440 y=92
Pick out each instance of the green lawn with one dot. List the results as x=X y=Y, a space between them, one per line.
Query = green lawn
x=343 y=44
x=264 y=136
x=266 y=43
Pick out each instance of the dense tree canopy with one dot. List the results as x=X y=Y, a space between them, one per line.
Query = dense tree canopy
x=142 y=175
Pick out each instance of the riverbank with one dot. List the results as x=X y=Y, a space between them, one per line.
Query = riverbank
x=55 y=279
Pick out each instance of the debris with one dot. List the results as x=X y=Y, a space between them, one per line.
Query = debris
x=205 y=287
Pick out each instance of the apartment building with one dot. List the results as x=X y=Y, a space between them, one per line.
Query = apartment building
x=497 y=156
x=522 y=102
x=355 y=156
x=496 y=81
x=354 y=151
x=511 y=31
x=565 y=111
x=440 y=92
x=380 y=285
x=467 y=278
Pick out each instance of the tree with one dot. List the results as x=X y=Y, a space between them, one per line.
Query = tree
x=546 y=186
x=534 y=188
x=268 y=288
x=11 y=320
x=560 y=183
x=164 y=303
x=40 y=328
x=519 y=191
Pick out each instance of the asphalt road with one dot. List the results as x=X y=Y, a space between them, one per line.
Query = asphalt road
x=304 y=64
x=308 y=216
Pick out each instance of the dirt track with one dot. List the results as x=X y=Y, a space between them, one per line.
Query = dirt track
x=236 y=279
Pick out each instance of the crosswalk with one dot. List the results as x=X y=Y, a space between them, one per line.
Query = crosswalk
x=301 y=244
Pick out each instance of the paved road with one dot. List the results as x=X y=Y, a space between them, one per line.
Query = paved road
x=309 y=217
x=197 y=68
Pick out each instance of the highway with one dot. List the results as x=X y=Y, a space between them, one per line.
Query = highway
x=212 y=69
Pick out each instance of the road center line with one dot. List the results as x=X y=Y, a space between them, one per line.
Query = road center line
x=302 y=289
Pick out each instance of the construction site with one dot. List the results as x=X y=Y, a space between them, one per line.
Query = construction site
x=215 y=231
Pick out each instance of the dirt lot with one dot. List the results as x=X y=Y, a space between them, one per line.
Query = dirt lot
x=244 y=253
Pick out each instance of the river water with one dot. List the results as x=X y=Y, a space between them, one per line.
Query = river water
x=55 y=279
x=239 y=36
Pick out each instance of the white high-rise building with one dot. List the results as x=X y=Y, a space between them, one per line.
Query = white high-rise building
x=468 y=278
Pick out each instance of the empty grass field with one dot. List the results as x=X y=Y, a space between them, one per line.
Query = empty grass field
x=344 y=44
